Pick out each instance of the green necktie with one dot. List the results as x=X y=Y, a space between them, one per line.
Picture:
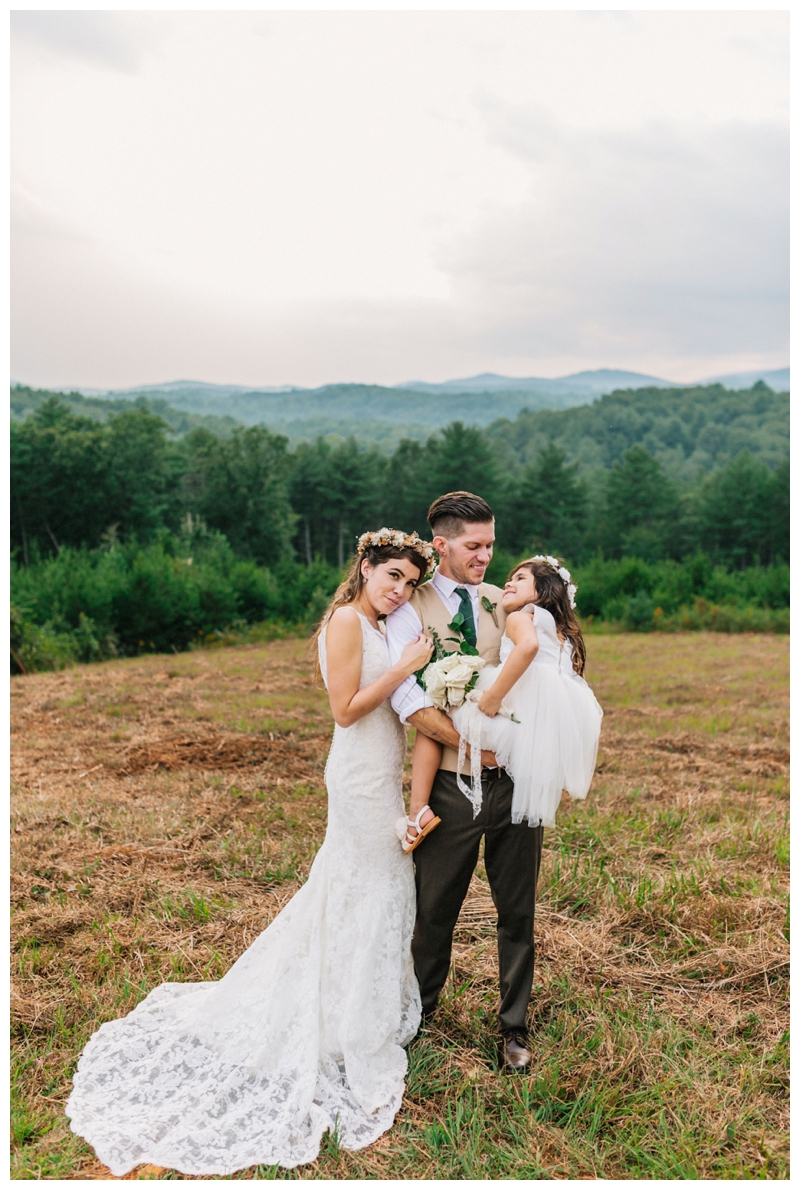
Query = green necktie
x=470 y=635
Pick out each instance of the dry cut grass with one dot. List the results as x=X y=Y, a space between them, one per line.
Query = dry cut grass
x=165 y=809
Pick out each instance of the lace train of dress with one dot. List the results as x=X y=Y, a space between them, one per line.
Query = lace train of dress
x=305 y=1032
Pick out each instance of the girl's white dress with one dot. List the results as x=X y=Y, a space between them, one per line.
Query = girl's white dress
x=554 y=745
x=306 y=1031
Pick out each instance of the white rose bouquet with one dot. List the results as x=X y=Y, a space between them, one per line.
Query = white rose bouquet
x=448 y=680
x=448 y=677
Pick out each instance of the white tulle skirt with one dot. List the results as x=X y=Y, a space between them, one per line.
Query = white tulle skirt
x=554 y=745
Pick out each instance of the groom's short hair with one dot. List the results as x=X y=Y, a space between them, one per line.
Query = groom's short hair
x=448 y=515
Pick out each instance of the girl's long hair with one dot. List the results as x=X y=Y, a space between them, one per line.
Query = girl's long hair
x=551 y=592
x=350 y=588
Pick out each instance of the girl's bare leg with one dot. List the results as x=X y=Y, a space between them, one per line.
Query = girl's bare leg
x=425 y=761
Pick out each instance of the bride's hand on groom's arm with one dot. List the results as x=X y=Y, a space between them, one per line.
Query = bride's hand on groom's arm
x=344 y=642
x=415 y=654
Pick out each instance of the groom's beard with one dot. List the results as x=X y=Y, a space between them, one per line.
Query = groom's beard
x=461 y=574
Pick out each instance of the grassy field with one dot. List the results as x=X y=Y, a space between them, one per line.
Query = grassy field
x=164 y=809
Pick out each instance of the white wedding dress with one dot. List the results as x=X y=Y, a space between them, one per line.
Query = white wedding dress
x=306 y=1031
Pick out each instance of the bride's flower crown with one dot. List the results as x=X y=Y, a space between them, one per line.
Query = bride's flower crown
x=400 y=541
x=562 y=572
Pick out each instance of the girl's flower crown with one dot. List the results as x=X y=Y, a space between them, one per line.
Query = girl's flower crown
x=562 y=571
x=400 y=541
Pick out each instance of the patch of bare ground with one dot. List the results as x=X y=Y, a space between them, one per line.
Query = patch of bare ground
x=165 y=809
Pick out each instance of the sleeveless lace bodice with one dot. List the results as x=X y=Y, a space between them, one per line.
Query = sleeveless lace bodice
x=363 y=764
x=377 y=742
x=305 y=1032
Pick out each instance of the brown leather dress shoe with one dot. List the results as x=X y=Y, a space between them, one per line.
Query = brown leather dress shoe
x=516 y=1055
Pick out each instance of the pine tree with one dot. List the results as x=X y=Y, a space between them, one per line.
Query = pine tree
x=240 y=487
x=309 y=487
x=551 y=506
x=354 y=496
x=59 y=481
x=641 y=514
x=738 y=511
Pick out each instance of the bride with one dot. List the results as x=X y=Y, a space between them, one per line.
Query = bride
x=305 y=1032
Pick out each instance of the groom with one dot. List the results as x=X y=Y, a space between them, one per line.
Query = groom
x=463 y=535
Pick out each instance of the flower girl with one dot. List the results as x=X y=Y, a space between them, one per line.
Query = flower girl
x=534 y=710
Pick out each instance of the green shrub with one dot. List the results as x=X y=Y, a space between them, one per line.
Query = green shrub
x=188 y=588
x=35 y=647
x=639 y=612
x=607 y=586
x=712 y=617
x=86 y=605
x=43 y=647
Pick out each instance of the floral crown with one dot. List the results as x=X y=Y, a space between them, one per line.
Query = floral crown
x=400 y=541
x=562 y=572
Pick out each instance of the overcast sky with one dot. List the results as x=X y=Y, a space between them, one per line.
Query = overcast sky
x=267 y=198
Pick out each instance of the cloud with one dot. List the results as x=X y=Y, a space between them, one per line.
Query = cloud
x=32 y=218
x=670 y=238
x=662 y=250
x=308 y=197
x=104 y=38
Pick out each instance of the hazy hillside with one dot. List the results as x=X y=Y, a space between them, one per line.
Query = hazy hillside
x=690 y=430
x=24 y=400
x=563 y=389
x=351 y=403
x=778 y=379
x=593 y=384
x=372 y=413
x=383 y=415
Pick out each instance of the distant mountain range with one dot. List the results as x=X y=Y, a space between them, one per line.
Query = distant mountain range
x=588 y=385
x=181 y=387
x=778 y=379
x=385 y=414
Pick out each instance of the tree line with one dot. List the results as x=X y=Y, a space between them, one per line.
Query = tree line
x=127 y=538
x=76 y=482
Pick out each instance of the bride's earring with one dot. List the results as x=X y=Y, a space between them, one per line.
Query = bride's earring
x=362 y=582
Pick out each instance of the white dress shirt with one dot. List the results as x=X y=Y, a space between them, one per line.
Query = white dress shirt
x=404 y=625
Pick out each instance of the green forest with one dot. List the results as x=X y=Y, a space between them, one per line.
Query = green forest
x=137 y=528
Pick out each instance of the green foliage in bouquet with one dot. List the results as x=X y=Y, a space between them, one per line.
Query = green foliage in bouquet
x=439 y=651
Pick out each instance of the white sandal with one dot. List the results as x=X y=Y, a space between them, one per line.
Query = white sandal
x=422 y=831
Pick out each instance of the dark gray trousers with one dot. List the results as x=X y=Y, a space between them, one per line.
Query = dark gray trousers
x=443 y=866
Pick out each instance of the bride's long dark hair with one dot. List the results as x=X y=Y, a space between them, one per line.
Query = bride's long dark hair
x=551 y=592
x=350 y=588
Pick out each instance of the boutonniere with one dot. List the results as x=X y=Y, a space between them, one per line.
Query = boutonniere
x=490 y=607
